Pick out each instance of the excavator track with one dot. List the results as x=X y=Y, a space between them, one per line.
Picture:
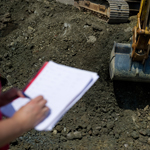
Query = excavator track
x=112 y=11
x=117 y=12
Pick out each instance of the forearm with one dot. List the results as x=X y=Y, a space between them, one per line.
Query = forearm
x=26 y=118
x=9 y=130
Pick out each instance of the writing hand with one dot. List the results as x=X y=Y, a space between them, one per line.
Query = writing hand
x=32 y=113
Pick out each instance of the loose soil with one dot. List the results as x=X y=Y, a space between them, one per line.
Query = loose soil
x=111 y=115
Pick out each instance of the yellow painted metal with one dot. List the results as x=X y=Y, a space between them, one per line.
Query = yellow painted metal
x=141 y=33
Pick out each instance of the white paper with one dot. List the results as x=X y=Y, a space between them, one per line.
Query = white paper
x=95 y=77
x=61 y=86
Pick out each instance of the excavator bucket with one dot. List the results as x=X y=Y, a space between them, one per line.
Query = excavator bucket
x=122 y=67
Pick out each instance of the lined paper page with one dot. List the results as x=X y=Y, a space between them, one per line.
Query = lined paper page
x=94 y=78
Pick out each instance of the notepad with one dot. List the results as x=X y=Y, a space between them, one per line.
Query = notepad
x=62 y=86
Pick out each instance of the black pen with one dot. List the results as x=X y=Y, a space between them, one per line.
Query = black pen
x=26 y=95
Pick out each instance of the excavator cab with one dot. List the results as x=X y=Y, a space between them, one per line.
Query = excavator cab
x=132 y=61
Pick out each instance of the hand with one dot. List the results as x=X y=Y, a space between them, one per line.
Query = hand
x=9 y=96
x=31 y=114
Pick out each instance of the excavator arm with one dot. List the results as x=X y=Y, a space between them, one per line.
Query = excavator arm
x=141 y=33
x=132 y=61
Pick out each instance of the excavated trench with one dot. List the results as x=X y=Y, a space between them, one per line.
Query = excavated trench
x=111 y=115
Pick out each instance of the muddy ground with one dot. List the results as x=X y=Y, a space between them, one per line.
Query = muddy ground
x=111 y=115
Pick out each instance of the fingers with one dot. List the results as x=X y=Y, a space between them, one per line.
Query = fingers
x=38 y=98
x=44 y=113
x=40 y=101
x=46 y=110
x=20 y=94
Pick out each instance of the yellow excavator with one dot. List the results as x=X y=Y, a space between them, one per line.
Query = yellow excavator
x=127 y=61
x=132 y=61
x=112 y=11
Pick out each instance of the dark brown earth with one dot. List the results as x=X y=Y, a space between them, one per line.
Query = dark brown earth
x=111 y=115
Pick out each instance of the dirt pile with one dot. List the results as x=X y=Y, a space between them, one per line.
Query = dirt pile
x=111 y=115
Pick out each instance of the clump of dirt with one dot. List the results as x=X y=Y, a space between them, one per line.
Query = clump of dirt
x=111 y=115
x=4 y=20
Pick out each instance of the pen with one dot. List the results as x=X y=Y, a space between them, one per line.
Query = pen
x=25 y=95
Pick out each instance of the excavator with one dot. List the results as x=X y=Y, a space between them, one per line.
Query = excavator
x=127 y=61
x=111 y=11
x=132 y=61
